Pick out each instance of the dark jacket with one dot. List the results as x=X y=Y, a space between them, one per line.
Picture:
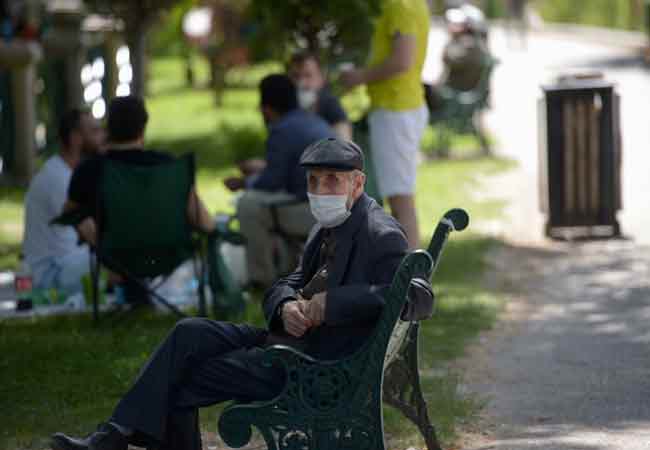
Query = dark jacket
x=288 y=138
x=370 y=246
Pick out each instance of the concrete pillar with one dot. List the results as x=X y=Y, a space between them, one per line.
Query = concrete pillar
x=112 y=43
x=65 y=40
x=21 y=58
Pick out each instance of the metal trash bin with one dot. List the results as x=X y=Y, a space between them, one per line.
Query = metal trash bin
x=580 y=158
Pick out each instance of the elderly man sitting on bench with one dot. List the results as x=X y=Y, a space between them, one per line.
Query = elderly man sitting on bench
x=327 y=308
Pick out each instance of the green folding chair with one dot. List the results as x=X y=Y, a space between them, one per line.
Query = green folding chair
x=143 y=231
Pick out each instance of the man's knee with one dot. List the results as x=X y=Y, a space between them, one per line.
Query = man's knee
x=190 y=327
x=249 y=207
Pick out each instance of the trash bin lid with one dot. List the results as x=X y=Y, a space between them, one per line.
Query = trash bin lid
x=578 y=85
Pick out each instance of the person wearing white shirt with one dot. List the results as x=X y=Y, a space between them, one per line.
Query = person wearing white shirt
x=52 y=251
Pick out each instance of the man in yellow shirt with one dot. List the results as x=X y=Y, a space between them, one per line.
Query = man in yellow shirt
x=398 y=113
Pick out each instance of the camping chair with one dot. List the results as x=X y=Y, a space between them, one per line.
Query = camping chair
x=143 y=231
x=461 y=110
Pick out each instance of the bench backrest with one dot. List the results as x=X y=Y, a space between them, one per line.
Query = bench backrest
x=390 y=333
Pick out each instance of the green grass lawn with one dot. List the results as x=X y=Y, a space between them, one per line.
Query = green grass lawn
x=64 y=374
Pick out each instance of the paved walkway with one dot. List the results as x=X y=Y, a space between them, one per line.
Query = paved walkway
x=568 y=367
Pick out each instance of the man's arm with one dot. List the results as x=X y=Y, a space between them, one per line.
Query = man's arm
x=286 y=289
x=276 y=173
x=86 y=228
x=331 y=109
x=198 y=214
x=400 y=60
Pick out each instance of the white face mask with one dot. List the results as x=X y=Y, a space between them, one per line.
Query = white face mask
x=329 y=210
x=307 y=98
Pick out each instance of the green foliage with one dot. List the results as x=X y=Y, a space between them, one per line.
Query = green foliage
x=130 y=11
x=335 y=29
x=167 y=38
x=626 y=14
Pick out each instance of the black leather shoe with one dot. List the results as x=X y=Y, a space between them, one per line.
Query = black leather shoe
x=105 y=438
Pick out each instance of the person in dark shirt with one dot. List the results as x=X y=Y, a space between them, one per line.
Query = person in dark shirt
x=127 y=120
x=313 y=94
x=278 y=179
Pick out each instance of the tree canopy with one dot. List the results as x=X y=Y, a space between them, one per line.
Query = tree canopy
x=334 y=29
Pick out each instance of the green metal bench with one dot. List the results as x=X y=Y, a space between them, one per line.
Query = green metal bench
x=338 y=404
x=461 y=111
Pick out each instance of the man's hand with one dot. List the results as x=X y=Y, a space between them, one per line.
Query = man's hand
x=234 y=183
x=88 y=231
x=295 y=322
x=252 y=166
x=314 y=309
x=351 y=78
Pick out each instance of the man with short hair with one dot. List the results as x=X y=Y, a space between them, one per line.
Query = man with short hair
x=277 y=180
x=52 y=251
x=126 y=123
x=305 y=70
x=398 y=113
x=327 y=308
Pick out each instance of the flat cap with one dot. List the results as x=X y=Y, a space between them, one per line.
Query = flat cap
x=332 y=153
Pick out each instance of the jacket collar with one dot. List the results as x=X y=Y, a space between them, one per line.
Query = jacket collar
x=345 y=236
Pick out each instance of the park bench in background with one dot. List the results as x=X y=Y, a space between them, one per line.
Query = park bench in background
x=338 y=404
x=461 y=111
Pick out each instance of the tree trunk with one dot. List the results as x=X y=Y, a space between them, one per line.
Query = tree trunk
x=635 y=17
x=137 y=42
x=313 y=45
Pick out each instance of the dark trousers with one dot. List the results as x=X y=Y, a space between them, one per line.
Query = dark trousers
x=201 y=362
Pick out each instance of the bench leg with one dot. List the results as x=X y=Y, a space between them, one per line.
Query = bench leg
x=407 y=397
x=443 y=140
x=477 y=126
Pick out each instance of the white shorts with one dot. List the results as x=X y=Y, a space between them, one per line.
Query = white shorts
x=395 y=143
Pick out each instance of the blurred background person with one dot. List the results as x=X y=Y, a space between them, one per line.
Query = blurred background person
x=52 y=251
x=278 y=179
x=314 y=95
x=398 y=114
x=463 y=58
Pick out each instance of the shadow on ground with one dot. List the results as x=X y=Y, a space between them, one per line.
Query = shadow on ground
x=572 y=372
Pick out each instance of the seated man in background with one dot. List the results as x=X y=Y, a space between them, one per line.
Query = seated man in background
x=277 y=179
x=464 y=57
x=327 y=307
x=313 y=94
x=127 y=120
x=52 y=251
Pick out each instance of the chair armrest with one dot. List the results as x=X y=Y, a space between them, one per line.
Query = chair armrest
x=223 y=231
x=70 y=218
